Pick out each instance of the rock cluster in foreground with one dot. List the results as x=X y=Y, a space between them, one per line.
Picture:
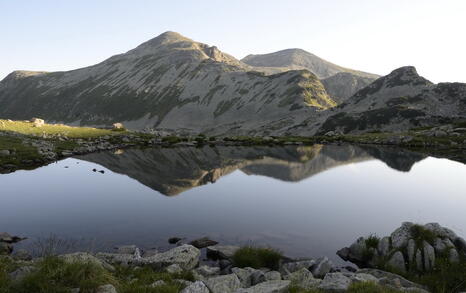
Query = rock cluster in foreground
x=410 y=248
x=221 y=276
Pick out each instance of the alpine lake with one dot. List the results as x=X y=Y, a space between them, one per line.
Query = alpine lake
x=303 y=200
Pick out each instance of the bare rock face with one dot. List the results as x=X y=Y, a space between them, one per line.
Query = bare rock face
x=411 y=247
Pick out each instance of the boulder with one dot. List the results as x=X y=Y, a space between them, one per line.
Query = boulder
x=106 y=289
x=20 y=273
x=440 y=231
x=203 y=242
x=118 y=258
x=221 y=251
x=362 y=277
x=5 y=248
x=277 y=286
x=453 y=255
x=223 y=284
x=273 y=276
x=4 y=153
x=244 y=275
x=186 y=256
x=196 y=287
x=429 y=256
x=303 y=278
x=335 y=282
x=22 y=254
x=411 y=249
x=84 y=257
x=383 y=248
x=390 y=279
x=257 y=277
x=291 y=267
x=207 y=271
x=118 y=126
x=7 y=238
x=173 y=269
x=37 y=122
x=322 y=267
x=400 y=236
x=397 y=262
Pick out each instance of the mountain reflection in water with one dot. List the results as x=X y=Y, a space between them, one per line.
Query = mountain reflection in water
x=172 y=171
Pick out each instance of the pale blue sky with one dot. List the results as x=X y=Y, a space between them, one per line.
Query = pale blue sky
x=372 y=35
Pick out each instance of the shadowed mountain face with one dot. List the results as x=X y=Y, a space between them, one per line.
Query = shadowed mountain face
x=172 y=171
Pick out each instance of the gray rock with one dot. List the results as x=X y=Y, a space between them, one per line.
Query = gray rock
x=411 y=248
x=440 y=231
x=203 y=242
x=335 y=282
x=158 y=283
x=22 y=254
x=183 y=282
x=419 y=261
x=322 y=267
x=397 y=261
x=21 y=272
x=223 y=284
x=196 y=287
x=400 y=236
x=207 y=271
x=273 y=276
x=4 y=153
x=453 y=255
x=244 y=275
x=291 y=267
x=362 y=277
x=117 y=258
x=460 y=244
x=277 y=286
x=303 y=278
x=429 y=256
x=383 y=247
x=5 y=248
x=221 y=251
x=106 y=289
x=186 y=256
x=174 y=268
x=390 y=279
x=85 y=257
x=257 y=277
x=439 y=245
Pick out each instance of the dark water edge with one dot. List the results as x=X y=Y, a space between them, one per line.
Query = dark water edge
x=304 y=200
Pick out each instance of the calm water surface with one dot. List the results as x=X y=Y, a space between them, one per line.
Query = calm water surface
x=307 y=201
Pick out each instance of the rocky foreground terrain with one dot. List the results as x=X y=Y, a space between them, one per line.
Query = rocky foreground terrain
x=210 y=267
x=175 y=84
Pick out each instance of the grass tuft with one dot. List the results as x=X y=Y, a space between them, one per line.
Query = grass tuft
x=257 y=257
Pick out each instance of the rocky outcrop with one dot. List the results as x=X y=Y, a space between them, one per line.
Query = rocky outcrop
x=410 y=248
x=343 y=85
x=7 y=241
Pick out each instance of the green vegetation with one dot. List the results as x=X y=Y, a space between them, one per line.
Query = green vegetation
x=421 y=234
x=20 y=152
x=27 y=128
x=372 y=241
x=361 y=287
x=257 y=257
x=54 y=275
x=445 y=277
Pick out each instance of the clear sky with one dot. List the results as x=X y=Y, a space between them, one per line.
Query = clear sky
x=371 y=35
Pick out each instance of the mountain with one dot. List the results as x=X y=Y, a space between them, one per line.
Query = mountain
x=398 y=101
x=170 y=82
x=340 y=82
x=343 y=85
x=295 y=59
x=171 y=171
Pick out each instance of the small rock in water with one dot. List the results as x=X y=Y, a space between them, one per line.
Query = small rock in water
x=174 y=240
x=102 y=171
x=203 y=242
x=94 y=170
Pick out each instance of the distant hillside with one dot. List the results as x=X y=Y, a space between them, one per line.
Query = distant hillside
x=169 y=82
x=293 y=59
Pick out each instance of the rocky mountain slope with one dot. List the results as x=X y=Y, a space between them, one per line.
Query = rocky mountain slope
x=169 y=82
x=398 y=101
x=175 y=84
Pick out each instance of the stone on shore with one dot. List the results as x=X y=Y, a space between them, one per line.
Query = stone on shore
x=223 y=284
x=277 y=286
x=221 y=251
x=196 y=287
x=186 y=256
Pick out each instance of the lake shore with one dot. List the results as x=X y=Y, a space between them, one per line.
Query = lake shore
x=204 y=265
x=26 y=146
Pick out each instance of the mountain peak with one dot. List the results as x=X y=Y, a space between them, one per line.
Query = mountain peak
x=405 y=75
